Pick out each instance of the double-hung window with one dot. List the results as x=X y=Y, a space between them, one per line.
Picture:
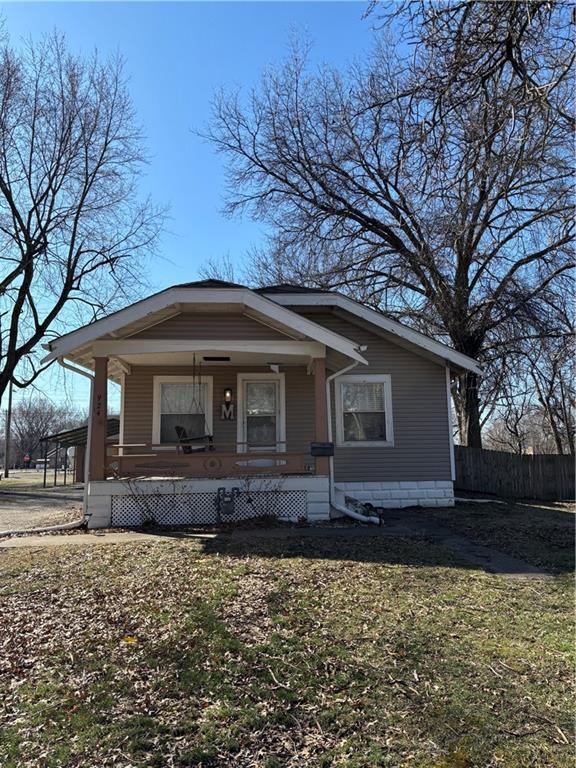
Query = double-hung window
x=364 y=410
x=184 y=402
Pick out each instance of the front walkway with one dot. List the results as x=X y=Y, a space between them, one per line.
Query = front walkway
x=398 y=524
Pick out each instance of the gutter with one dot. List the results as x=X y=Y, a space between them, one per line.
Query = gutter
x=332 y=494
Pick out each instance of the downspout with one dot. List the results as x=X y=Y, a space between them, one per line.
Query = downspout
x=90 y=376
x=341 y=508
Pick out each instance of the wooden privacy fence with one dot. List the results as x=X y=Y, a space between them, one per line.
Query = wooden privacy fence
x=544 y=476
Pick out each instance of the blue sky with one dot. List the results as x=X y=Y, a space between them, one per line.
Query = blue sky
x=177 y=56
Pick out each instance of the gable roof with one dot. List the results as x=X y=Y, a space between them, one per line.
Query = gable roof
x=287 y=295
x=164 y=304
x=269 y=304
x=288 y=288
x=210 y=283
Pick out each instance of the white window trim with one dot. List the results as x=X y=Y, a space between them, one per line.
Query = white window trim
x=386 y=379
x=122 y=409
x=241 y=446
x=158 y=381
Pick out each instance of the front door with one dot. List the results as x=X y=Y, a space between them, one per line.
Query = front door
x=261 y=416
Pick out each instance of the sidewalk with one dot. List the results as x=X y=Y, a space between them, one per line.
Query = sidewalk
x=490 y=560
x=82 y=539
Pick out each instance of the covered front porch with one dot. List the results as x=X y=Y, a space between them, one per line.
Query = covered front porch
x=205 y=442
x=210 y=411
x=223 y=408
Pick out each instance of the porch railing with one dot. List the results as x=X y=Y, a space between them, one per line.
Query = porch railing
x=209 y=464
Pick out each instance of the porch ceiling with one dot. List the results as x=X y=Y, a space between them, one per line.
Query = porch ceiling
x=206 y=347
x=125 y=353
x=237 y=358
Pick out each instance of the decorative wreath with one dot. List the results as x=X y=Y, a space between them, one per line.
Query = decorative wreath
x=212 y=463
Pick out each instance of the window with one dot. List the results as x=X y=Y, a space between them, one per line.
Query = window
x=261 y=412
x=364 y=410
x=180 y=401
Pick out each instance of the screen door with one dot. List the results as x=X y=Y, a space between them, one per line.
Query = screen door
x=261 y=414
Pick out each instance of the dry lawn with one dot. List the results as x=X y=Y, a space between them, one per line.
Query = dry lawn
x=541 y=532
x=268 y=653
x=30 y=479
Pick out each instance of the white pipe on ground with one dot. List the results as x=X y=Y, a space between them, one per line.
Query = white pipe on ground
x=44 y=529
x=339 y=507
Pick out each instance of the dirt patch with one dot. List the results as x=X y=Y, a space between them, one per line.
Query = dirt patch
x=540 y=532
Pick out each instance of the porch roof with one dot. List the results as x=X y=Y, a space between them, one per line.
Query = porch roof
x=111 y=336
x=79 y=436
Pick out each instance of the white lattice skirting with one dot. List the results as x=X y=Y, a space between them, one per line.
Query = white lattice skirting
x=421 y=493
x=195 y=501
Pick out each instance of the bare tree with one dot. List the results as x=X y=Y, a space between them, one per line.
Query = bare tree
x=70 y=222
x=443 y=200
x=521 y=432
x=535 y=393
x=531 y=38
x=551 y=369
x=219 y=269
x=34 y=417
x=513 y=426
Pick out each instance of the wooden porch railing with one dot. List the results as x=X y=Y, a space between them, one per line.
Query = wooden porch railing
x=209 y=464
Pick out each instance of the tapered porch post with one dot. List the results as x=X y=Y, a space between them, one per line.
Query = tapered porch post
x=98 y=420
x=321 y=418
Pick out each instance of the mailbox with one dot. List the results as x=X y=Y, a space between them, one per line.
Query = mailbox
x=322 y=449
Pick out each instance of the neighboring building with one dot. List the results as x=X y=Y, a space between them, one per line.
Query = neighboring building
x=69 y=448
x=226 y=410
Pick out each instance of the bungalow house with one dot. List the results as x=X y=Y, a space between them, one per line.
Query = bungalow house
x=280 y=400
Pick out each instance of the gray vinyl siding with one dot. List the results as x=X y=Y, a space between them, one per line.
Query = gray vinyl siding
x=209 y=325
x=138 y=398
x=421 y=448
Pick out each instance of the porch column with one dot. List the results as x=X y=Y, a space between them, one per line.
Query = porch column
x=321 y=417
x=98 y=420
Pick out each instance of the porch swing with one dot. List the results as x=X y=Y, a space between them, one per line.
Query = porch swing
x=195 y=443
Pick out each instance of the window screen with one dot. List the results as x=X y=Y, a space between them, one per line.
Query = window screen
x=182 y=405
x=261 y=413
x=363 y=411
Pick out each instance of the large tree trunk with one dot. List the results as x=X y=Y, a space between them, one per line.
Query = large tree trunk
x=468 y=410
x=555 y=432
x=5 y=377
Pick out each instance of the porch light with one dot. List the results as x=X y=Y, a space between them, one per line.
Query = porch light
x=227 y=395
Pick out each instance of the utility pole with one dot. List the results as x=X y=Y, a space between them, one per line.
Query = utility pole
x=7 y=433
